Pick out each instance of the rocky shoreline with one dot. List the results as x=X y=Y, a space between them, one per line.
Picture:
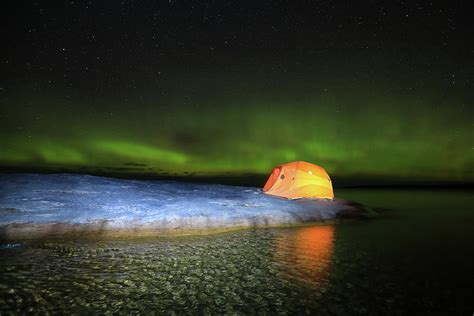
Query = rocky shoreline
x=40 y=205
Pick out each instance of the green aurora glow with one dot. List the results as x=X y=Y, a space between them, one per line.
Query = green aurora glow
x=366 y=90
x=355 y=132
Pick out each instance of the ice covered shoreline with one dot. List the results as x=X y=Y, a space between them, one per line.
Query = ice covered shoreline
x=38 y=205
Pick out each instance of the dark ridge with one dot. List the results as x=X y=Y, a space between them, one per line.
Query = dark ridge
x=244 y=179
x=416 y=186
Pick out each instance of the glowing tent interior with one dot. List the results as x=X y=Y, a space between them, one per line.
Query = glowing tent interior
x=299 y=179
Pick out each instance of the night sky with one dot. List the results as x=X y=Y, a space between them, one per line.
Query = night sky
x=375 y=89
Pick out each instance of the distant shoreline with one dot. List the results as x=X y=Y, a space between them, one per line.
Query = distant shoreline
x=250 y=179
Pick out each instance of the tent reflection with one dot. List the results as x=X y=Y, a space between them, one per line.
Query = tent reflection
x=305 y=253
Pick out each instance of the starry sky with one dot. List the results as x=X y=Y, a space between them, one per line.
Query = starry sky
x=373 y=89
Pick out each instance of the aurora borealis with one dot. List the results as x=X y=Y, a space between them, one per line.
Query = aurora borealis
x=382 y=90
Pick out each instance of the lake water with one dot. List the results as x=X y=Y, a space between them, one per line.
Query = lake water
x=417 y=258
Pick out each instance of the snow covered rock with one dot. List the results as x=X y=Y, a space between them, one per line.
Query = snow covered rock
x=36 y=205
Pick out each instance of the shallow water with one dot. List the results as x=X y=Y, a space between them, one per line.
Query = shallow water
x=416 y=258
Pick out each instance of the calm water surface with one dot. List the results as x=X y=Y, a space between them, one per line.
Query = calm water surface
x=416 y=258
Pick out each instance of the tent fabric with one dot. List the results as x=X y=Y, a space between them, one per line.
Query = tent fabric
x=299 y=179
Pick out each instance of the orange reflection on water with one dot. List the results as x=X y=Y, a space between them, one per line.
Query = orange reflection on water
x=305 y=253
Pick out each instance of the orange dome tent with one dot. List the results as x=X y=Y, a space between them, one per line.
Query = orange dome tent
x=299 y=179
